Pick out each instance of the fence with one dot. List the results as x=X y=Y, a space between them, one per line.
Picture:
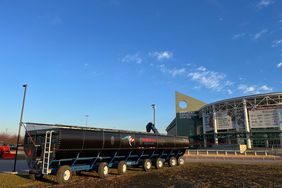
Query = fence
x=253 y=154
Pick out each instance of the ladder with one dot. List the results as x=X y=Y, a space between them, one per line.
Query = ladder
x=47 y=152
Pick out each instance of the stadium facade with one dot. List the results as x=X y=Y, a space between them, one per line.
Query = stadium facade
x=254 y=120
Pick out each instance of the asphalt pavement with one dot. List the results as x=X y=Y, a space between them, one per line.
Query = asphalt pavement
x=7 y=165
x=232 y=160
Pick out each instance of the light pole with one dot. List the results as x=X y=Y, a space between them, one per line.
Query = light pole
x=154 y=113
x=86 y=120
x=20 y=125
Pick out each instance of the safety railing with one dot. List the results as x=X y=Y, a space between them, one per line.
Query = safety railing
x=263 y=154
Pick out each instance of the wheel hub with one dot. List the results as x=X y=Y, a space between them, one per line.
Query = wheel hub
x=148 y=165
x=124 y=168
x=67 y=175
x=106 y=170
x=160 y=163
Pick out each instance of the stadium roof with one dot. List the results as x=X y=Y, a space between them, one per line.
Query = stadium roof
x=248 y=97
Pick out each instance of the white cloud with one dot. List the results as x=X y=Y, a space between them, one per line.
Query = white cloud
x=205 y=78
x=276 y=43
x=173 y=72
x=210 y=79
x=229 y=91
x=265 y=88
x=197 y=87
x=201 y=68
x=264 y=3
x=164 y=55
x=254 y=89
x=247 y=89
x=260 y=34
x=132 y=58
x=238 y=35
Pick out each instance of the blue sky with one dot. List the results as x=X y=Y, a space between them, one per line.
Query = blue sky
x=112 y=59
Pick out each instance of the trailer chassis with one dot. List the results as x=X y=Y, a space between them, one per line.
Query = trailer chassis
x=64 y=168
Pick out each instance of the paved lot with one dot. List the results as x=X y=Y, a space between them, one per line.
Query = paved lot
x=7 y=166
x=232 y=160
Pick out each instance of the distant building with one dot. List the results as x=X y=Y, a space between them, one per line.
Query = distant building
x=254 y=120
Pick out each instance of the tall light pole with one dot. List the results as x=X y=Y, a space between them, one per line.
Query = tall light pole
x=86 y=120
x=154 y=113
x=20 y=125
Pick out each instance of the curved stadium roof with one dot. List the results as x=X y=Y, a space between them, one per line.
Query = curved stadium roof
x=248 y=97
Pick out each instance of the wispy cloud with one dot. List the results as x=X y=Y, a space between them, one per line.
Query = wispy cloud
x=215 y=81
x=202 y=76
x=259 y=34
x=265 y=88
x=264 y=3
x=254 y=89
x=238 y=35
x=210 y=79
x=132 y=58
x=229 y=91
x=247 y=89
x=277 y=43
x=205 y=78
x=172 y=71
x=163 y=55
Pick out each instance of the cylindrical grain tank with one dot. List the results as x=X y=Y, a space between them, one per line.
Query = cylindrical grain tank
x=67 y=141
x=62 y=149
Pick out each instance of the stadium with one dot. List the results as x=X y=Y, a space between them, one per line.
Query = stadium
x=255 y=121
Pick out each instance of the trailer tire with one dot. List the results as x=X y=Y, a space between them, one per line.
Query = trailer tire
x=147 y=165
x=180 y=160
x=159 y=163
x=33 y=176
x=103 y=170
x=77 y=173
x=172 y=162
x=64 y=174
x=122 y=167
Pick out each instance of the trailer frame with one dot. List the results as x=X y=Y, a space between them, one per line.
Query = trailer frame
x=99 y=160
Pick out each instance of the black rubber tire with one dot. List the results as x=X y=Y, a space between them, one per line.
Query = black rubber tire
x=147 y=164
x=159 y=163
x=180 y=160
x=102 y=172
x=77 y=173
x=33 y=176
x=121 y=167
x=172 y=162
x=64 y=174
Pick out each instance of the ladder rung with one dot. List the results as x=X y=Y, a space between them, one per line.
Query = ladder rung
x=47 y=152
